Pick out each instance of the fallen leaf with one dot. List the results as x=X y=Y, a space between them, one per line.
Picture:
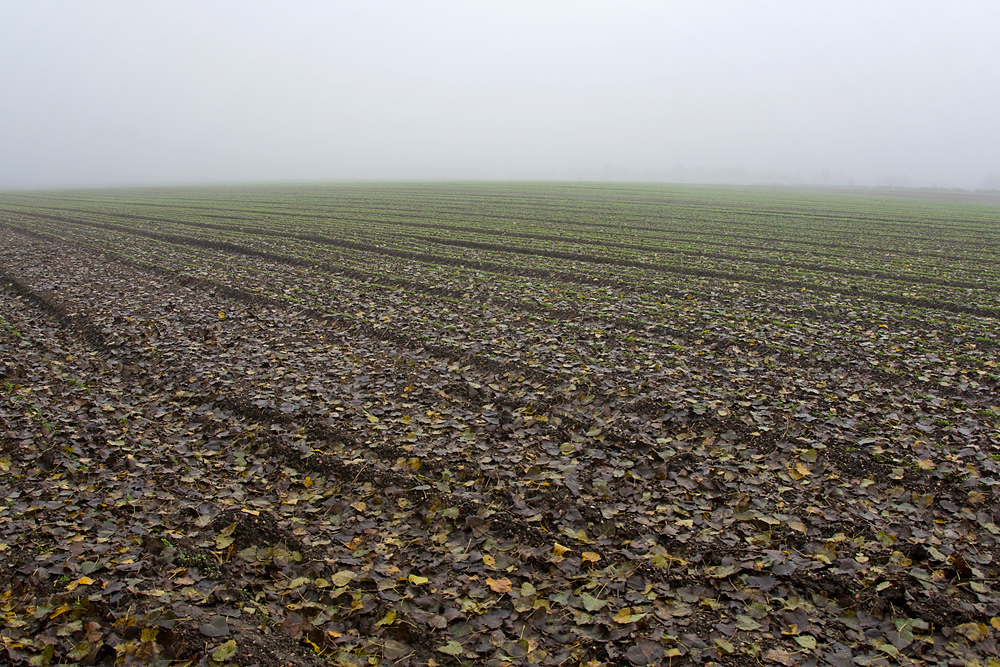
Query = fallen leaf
x=725 y=648
x=295 y=625
x=499 y=585
x=451 y=648
x=722 y=571
x=888 y=648
x=625 y=615
x=225 y=652
x=395 y=650
x=63 y=608
x=297 y=582
x=780 y=655
x=80 y=651
x=217 y=626
x=644 y=652
x=974 y=632
x=591 y=602
x=342 y=578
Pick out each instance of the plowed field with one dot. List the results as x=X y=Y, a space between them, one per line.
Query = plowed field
x=499 y=424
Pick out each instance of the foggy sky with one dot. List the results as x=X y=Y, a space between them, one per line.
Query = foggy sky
x=875 y=93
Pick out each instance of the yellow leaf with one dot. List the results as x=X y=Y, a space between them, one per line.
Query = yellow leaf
x=388 y=619
x=499 y=585
x=250 y=512
x=85 y=581
x=417 y=579
x=222 y=315
x=149 y=634
x=798 y=526
x=342 y=578
x=624 y=615
x=559 y=549
x=307 y=482
x=802 y=470
x=974 y=632
x=359 y=506
x=489 y=561
x=995 y=622
x=590 y=557
x=63 y=608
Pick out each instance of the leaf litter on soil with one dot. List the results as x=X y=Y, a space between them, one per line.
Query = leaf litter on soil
x=262 y=428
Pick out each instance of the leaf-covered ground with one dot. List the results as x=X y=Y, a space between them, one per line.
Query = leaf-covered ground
x=499 y=425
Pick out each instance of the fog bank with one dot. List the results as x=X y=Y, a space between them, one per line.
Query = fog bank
x=120 y=93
